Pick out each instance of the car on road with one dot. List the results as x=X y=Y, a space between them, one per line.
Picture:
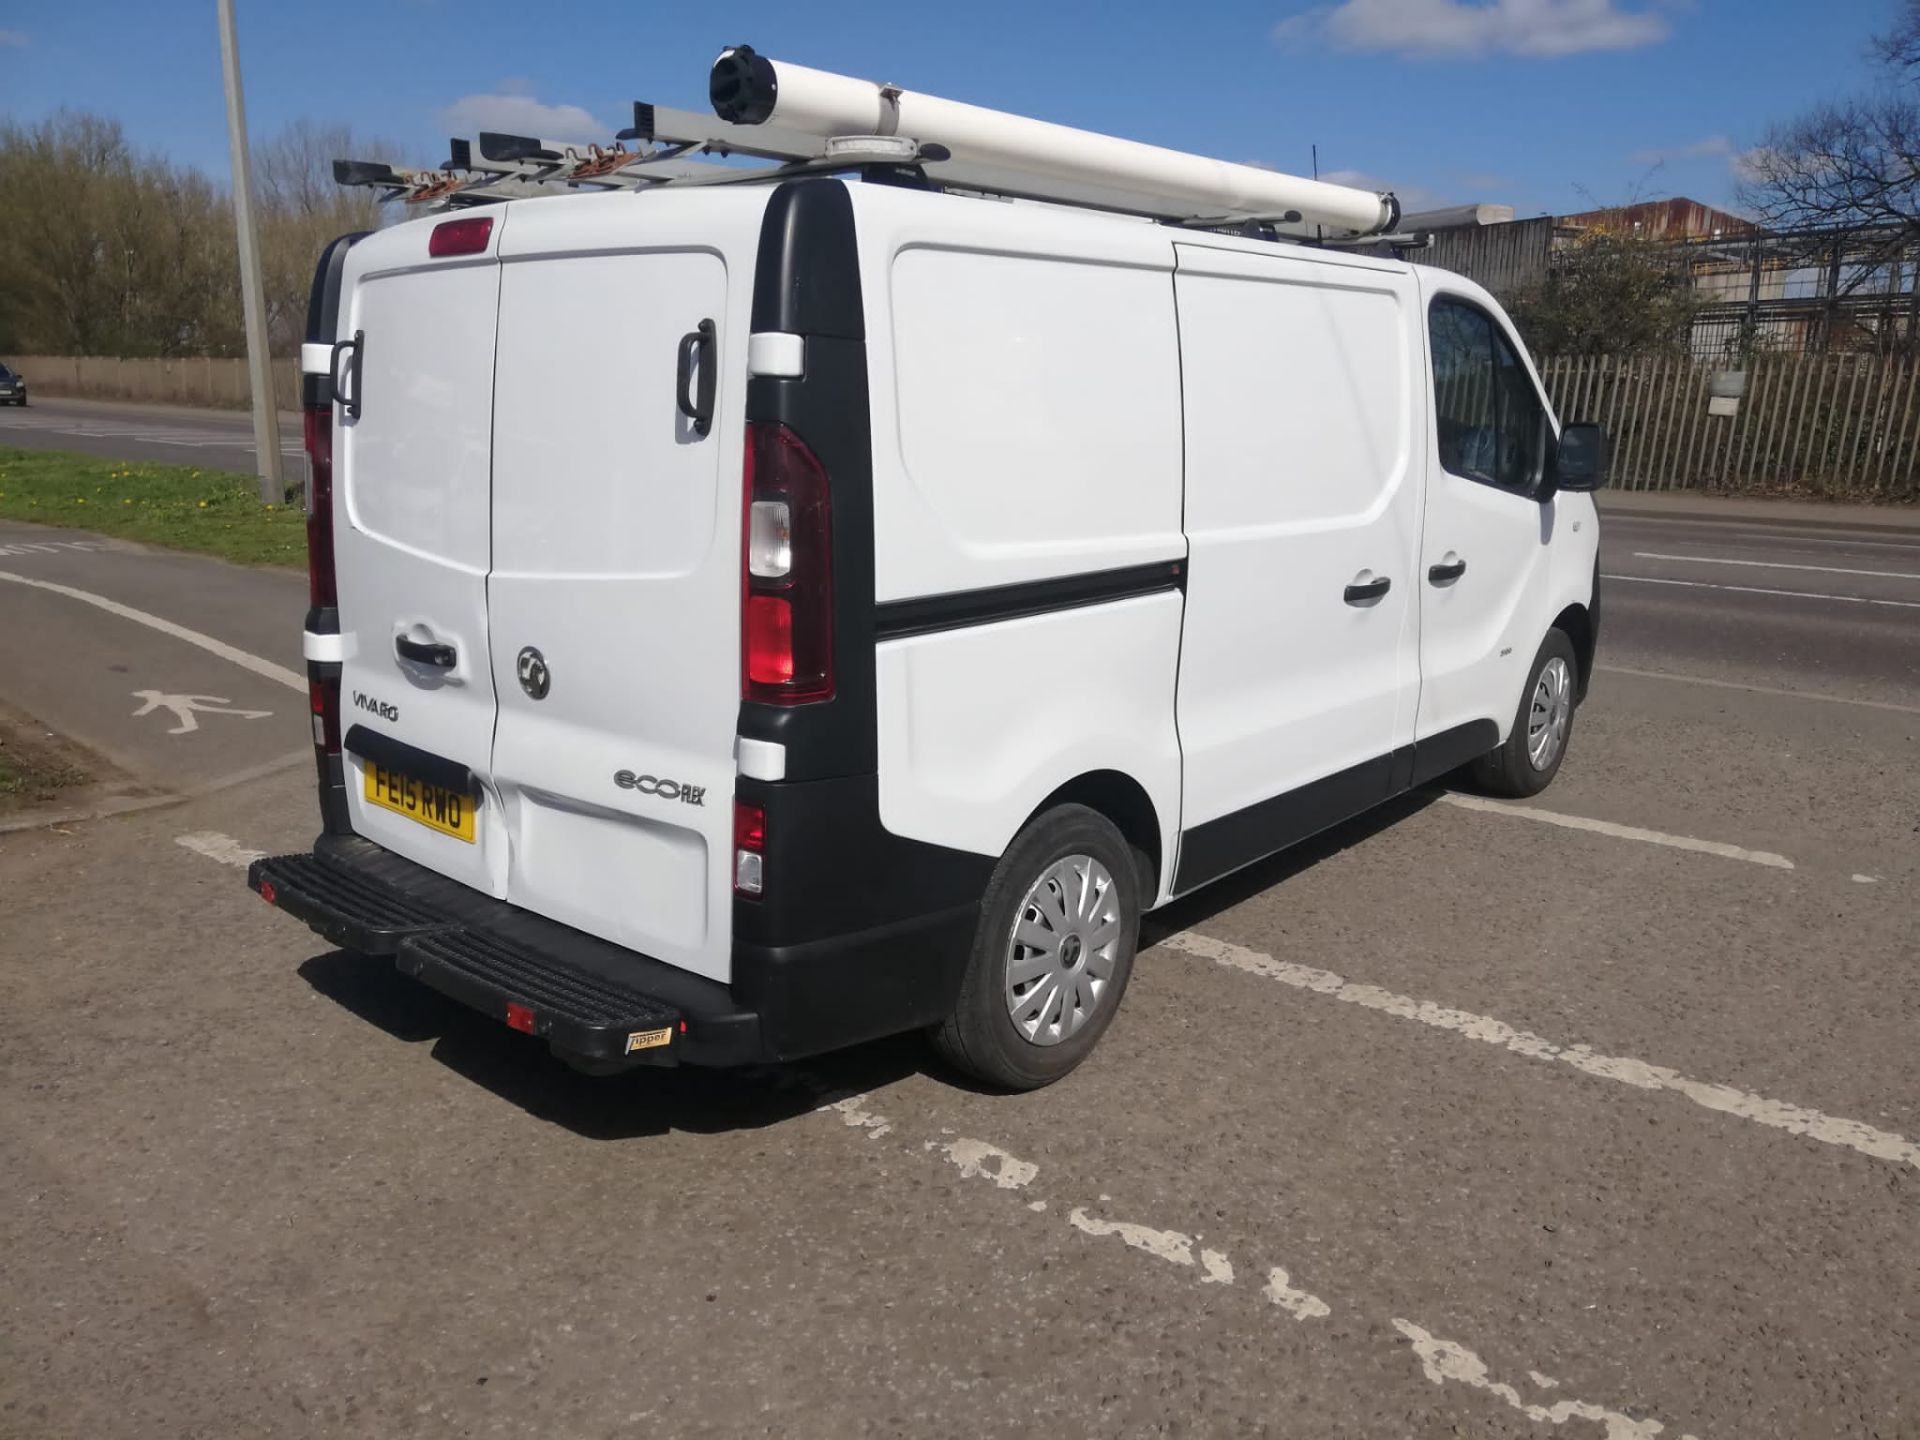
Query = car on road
x=753 y=618
x=13 y=386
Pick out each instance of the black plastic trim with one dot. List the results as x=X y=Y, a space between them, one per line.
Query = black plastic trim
x=1219 y=847
x=395 y=754
x=807 y=282
x=925 y=615
x=323 y=312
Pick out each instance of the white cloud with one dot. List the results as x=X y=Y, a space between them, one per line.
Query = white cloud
x=1424 y=29
x=12 y=38
x=522 y=115
x=1711 y=147
x=1412 y=198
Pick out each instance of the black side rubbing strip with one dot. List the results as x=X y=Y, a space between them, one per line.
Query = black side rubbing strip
x=924 y=615
x=391 y=754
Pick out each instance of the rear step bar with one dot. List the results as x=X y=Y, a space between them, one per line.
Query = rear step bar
x=598 y=1006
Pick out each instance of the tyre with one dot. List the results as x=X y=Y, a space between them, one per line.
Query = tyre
x=1052 y=953
x=1537 y=743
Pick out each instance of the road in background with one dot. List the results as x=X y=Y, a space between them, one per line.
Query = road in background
x=213 y=439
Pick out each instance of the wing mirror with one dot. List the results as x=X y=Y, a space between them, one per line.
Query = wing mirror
x=1580 y=459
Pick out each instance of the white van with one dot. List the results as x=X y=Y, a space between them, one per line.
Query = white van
x=749 y=619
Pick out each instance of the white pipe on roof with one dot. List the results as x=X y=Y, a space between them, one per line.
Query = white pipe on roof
x=749 y=89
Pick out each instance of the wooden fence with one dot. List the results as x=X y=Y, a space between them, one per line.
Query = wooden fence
x=192 y=380
x=1845 y=426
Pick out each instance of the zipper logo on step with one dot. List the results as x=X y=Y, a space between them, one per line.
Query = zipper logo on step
x=665 y=789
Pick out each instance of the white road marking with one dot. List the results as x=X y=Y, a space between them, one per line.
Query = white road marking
x=852 y=1110
x=977 y=1157
x=1619 y=832
x=1545 y=1382
x=1297 y=1303
x=1866 y=879
x=1172 y=1246
x=1758 y=689
x=51 y=547
x=186 y=709
x=277 y=673
x=1775 y=1114
x=1757 y=590
x=1445 y=1360
x=1773 y=565
x=223 y=848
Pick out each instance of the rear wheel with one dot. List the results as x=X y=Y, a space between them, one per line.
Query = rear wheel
x=1052 y=954
x=1526 y=764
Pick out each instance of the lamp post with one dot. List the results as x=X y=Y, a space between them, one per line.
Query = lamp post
x=253 y=298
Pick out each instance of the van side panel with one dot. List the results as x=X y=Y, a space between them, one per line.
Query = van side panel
x=1027 y=478
x=1303 y=490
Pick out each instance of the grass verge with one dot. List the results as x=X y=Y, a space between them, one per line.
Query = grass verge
x=188 y=508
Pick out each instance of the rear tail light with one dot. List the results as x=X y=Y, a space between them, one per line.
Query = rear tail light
x=786 y=626
x=323 y=693
x=322 y=591
x=749 y=847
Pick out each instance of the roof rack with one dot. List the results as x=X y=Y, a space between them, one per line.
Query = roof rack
x=806 y=121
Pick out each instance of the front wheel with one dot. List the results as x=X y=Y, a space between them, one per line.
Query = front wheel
x=1526 y=764
x=1052 y=954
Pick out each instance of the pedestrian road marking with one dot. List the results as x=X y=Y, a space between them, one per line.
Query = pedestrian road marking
x=1620 y=832
x=1759 y=590
x=1776 y=1114
x=187 y=708
x=266 y=668
x=1774 y=565
x=215 y=846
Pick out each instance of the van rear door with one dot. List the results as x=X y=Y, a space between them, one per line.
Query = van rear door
x=615 y=596
x=412 y=542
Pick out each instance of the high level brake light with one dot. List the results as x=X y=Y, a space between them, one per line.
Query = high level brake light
x=786 y=624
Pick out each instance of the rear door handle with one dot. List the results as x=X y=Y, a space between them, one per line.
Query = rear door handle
x=1447 y=573
x=1361 y=592
x=422 y=652
x=697 y=407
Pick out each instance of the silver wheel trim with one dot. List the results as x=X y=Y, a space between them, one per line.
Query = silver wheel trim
x=1549 y=713
x=1062 y=950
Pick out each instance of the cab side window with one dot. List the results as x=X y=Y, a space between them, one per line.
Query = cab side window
x=1486 y=411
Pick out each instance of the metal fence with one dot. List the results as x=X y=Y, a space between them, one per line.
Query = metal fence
x=1845 y=426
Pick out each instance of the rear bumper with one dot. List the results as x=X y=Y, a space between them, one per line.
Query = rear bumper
x=598 y=1006
x=602 y=1007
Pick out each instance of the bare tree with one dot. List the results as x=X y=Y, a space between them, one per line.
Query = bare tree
x=301 y=209
x=1851 y=164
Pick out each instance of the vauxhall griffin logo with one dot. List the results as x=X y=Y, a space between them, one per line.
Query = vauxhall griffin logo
x=382 y=708
x=535 y=678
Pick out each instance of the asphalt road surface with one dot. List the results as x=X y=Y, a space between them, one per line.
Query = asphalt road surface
x=1593 y=1116
x=214 y=439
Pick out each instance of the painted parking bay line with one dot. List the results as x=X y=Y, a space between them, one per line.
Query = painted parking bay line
x=1619 y=832
x=1775 y=565
x=265 y=668
x=1776 y=1114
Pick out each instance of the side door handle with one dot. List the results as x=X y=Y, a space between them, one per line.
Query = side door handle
x=698 y=408
x=1363 y=592
x=423 y=652
x=1446 y=572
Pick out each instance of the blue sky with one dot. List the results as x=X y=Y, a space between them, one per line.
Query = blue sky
x=1537 y=103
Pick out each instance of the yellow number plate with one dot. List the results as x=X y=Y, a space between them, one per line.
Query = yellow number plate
x=437 y=808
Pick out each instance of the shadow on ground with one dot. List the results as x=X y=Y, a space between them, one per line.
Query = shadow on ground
x=635 y=1103
x=648 y=1101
